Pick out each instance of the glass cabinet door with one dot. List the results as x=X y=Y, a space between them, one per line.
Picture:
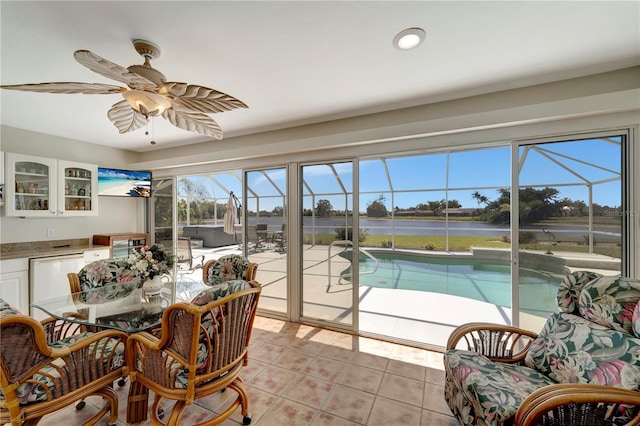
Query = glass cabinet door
x=78 y=191
x=30 y=186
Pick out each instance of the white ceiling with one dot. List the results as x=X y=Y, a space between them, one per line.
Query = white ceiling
x=300 y=62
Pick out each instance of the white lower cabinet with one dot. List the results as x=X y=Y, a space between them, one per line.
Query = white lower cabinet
x=14 y=283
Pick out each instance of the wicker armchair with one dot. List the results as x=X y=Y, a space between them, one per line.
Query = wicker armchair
x=46 y=366
x=576 y=404
x=227 y=268
x=202 y=349
x=581 y=369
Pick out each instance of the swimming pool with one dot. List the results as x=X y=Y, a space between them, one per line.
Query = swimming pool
x=470 y=278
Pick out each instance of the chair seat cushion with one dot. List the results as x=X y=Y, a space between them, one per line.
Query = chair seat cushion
x=571 y=349
x=482 y=389
x=34 y=391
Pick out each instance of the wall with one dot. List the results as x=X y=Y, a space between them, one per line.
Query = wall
x=114 y=214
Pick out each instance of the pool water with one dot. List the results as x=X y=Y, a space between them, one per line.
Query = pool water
x=468 y=278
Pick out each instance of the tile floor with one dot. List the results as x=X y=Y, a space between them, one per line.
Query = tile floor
x=302 y=375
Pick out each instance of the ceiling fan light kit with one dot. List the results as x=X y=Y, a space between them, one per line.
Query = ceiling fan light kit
x=148 y=94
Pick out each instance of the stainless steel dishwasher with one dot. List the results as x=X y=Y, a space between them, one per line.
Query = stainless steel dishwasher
x=48 y=278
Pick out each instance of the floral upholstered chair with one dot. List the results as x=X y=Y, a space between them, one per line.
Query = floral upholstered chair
x=202 y=349
x=46 y=366
x=582 y=368
x=227 y=268
x=95 y=282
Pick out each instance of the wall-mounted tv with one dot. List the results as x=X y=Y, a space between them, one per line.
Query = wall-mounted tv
x=124 y=183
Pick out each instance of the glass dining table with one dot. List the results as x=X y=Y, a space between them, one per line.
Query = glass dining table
x=119 y=306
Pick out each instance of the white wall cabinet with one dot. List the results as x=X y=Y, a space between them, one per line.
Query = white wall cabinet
x=44 y=187
x=14 y=283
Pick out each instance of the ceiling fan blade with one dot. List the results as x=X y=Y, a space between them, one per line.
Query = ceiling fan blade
x=125 y=118
x=193 y=122
x=70 y=88
x=200 y=98
x=114 y=71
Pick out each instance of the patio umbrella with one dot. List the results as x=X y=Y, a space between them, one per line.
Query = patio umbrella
x=230 y=217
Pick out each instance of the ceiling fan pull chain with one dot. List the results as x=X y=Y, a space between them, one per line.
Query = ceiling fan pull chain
x=153 y=130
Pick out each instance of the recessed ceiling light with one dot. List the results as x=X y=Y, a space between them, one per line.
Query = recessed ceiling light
x=409 y=38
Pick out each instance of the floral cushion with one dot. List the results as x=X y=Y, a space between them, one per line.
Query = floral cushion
x=209 y=325
x=97 y=280
x=635 y=320
x=34 y=391
x=231 y=267
x=7 y=309
x=220 y=290
x=570 y=288
x=610 y=301
x=571 y=349
x=483 y=392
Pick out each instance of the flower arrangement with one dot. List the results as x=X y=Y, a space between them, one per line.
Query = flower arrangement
x=149 y=262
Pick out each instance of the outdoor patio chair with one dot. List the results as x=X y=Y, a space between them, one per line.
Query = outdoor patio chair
x=203 y=347
x=46 y=366
x=280 y=239
x=254 y=238
x=227 y=268
x=186 y=260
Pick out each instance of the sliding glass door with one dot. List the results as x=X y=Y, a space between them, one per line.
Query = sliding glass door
x=329 y=241
x=570 y=209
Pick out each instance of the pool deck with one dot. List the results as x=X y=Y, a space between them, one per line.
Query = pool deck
x=416 y=317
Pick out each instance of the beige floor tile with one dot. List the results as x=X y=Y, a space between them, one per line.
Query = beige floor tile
x=406 y=369
x=402 y=389
x=293 y=360
x=325 y=368
x=387 y=412
x=349 y=403
x=326 y=419
x=274 y=379
x=309 y=391
x=434 y=399
x=366 y=359
x=431 y=418
x=266 y=352
x=285 y=412
x=361 y=378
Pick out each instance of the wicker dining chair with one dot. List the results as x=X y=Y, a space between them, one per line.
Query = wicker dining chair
x=46 y=366
x=227 y=268
x=202 y=349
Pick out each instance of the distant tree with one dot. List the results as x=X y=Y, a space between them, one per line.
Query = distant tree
x=453 y=204
x=481 y=199
x=376 y=208
x=535 y=205
x=278 y=211
x=435 y=206
x=323 y=208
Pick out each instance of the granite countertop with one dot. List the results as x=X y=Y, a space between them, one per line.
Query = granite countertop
x=46 y=248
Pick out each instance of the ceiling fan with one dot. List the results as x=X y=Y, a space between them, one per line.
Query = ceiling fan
x=148 y=94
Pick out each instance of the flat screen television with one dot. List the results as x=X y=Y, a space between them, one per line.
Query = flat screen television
x=124 y=183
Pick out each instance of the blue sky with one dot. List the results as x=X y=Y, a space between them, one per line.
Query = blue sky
x=567 y=166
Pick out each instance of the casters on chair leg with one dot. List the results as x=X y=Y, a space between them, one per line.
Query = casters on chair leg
x=80 y=405
x=160 y=413
x=246 y=420
x=122 y=382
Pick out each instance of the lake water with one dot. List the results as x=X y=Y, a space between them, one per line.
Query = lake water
x=438 y=227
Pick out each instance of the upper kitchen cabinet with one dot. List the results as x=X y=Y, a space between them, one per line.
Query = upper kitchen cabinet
x=44 y=187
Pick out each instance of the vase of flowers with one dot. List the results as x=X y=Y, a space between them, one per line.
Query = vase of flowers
x=150 y=264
